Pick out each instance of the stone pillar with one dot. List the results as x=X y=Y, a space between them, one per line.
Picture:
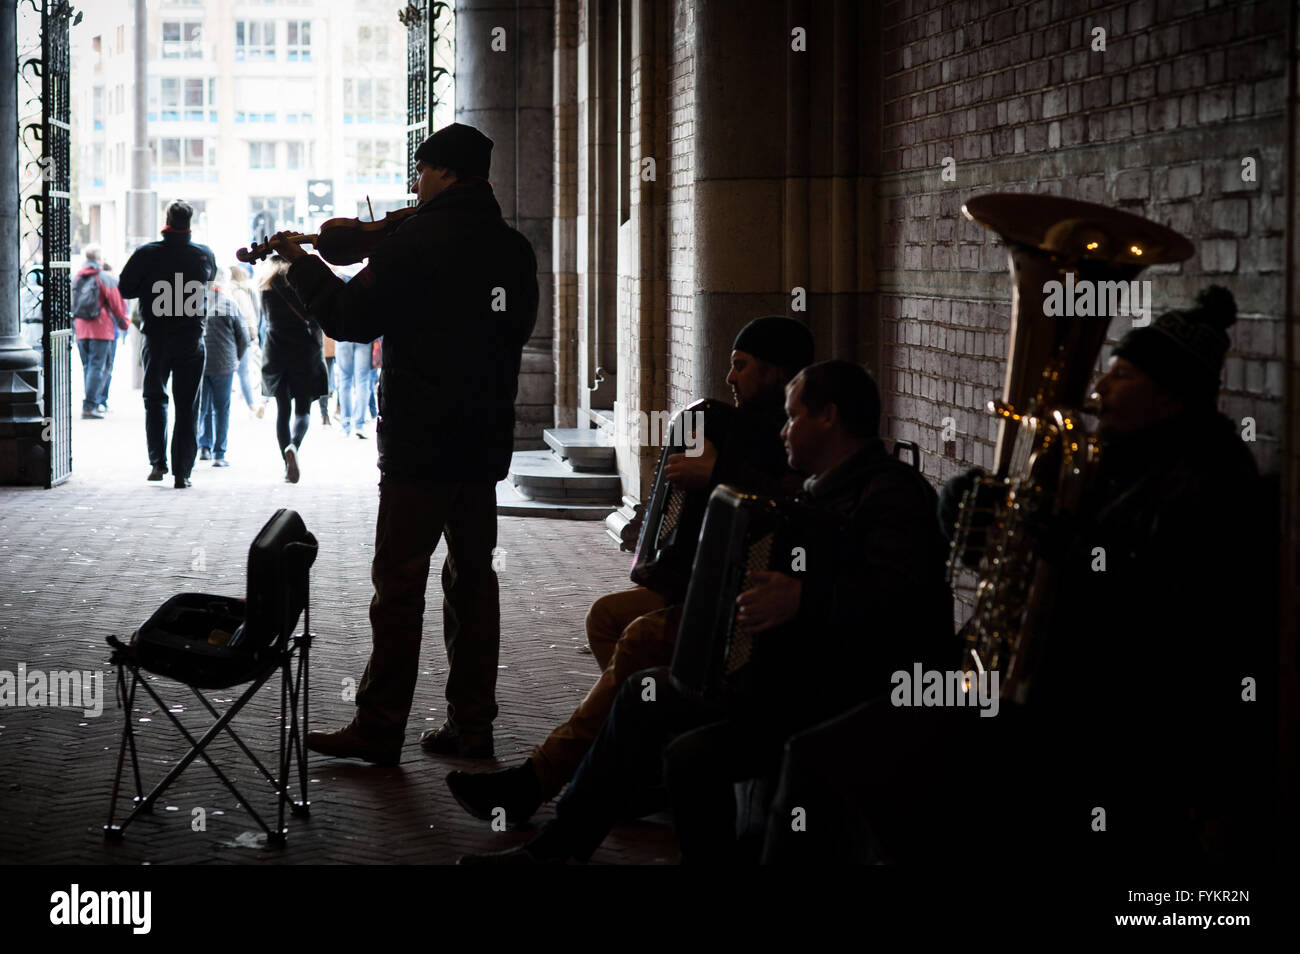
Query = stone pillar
x=739 y=177
x=643 y=236
x=507 y=93
x=564 y=229
x=24 y=458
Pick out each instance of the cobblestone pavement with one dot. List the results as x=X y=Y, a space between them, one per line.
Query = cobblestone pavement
x=97 y=555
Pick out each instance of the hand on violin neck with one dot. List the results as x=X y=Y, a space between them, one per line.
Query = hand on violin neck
x=286 y=244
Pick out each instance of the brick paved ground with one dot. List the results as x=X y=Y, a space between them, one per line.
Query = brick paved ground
x=97 y=555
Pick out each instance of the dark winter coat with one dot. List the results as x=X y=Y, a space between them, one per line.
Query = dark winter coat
x=454 y=293
x=162 y=261
x=292 y=355
x=1142 y=667
x=875 y=597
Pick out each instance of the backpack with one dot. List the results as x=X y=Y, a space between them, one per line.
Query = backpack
x=85 y=297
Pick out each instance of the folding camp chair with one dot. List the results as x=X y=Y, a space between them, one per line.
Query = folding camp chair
x=215 y=642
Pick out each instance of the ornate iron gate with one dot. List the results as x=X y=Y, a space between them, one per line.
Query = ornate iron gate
x=46 y=209
x=430 y=65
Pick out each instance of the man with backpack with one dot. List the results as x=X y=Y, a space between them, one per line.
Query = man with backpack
x=97 y=312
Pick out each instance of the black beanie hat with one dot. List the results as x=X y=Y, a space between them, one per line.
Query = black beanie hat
x=458 y=147
x=779 y=340
x=1183 y=351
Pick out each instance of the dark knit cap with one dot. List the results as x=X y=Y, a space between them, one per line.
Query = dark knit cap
x=1183 y=351
x=779 y=340
x=458 y=147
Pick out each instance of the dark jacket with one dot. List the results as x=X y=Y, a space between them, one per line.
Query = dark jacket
x=1160 y=640
x=225 y=338
x=451 y=359
x=292 y=355
x=162 y=261
x=875 y=596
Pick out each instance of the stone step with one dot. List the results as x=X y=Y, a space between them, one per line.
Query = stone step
x=511 y=504
x=586 y=449
x=624 y=525
x=540 y=475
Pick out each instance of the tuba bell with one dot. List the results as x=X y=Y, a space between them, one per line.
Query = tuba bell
x=1045 y=456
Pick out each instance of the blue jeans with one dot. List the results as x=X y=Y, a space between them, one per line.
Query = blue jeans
x=214 y=412
x=352 y=361
x=95 y=355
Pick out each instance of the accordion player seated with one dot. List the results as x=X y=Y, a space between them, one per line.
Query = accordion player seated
x=873 y=598
x=765 y=651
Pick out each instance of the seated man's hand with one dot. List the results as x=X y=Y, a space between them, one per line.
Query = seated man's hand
x=772 y=599
x=692 y=473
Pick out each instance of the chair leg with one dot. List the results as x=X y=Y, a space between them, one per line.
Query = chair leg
x=112 y=830
x=198 y=748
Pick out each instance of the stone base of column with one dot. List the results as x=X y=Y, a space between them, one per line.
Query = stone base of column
x=24 y=453
x=535 y=401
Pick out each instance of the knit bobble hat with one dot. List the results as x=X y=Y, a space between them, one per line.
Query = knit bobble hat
x=1183 y=351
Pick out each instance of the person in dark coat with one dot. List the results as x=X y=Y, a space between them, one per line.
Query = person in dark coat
x=225 y=342
x=454 y=293
x=293 y=363
x=170 y=278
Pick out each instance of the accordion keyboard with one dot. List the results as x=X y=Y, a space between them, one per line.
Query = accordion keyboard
x=758 y=557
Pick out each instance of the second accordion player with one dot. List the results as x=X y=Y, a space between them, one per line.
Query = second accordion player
x=714 y=660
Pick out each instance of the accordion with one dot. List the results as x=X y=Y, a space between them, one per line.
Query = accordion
x=742 y=534
x=671 y=528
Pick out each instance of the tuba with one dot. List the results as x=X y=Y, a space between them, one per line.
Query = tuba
x=1045 y=455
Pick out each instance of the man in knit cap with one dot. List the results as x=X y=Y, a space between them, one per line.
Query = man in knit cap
x=636 y=628
x=1146 y=662
x=453 y=292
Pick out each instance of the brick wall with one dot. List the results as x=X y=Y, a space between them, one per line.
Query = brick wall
x=681 y=220
x=1158 y=124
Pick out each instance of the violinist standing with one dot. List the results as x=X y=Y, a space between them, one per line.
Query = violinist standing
x=453 y=290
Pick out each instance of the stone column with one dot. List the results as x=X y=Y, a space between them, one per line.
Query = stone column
x=564 y=228
x=507 y=93
x=23 y=457
x=740 y=169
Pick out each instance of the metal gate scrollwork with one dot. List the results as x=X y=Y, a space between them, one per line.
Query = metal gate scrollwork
x=44 y=61
x=430 y=69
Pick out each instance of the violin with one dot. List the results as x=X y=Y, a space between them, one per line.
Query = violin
x=339 y=241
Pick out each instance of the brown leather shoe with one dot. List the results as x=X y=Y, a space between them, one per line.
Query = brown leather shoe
x=349 y=743
x=449 y=740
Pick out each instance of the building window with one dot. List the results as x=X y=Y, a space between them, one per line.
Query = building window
x=97 y=107
x=182 y=39
x=299 y=155
x=255 y=40
x=298 y=41
x=261 y=155
x=374 y=161
x=369 y=101
x=185 y=159
x=173 y=98
x=373 y=45
x=276 y=212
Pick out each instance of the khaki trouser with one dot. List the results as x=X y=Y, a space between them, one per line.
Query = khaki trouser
x=627 y=632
